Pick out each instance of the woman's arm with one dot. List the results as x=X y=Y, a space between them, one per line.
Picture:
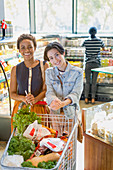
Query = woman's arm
x=76 y=92
x=13 y=87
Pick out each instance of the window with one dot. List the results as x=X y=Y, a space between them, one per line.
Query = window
x=53 y=16
x=60 y=16
x=95 y=13
x=17 y=11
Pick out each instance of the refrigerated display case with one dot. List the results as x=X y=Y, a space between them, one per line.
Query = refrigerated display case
x=5 y=105
x=105 y=88
x=98 y=136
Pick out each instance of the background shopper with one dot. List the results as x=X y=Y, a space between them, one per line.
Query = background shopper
x=92 y=60
x=26 y=83
x=64 y=83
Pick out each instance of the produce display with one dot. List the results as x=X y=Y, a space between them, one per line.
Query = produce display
x=36 y=145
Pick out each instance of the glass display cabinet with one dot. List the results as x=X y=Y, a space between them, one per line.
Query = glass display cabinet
x=98 y=137
x=104 y=83
x=5 y=105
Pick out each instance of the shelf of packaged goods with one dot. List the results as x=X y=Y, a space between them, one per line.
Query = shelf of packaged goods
x=2 y=79
x=104 y=92
x=74 y=59
x=8 y=57
x=4 y=94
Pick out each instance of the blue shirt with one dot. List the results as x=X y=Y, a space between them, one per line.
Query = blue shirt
x=71 y=87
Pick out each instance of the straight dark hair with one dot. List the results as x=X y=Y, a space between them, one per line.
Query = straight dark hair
x=52 y=45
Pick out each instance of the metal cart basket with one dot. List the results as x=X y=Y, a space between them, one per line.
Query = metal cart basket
x=67 y=159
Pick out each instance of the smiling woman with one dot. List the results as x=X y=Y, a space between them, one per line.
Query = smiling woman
x=64 y=84
x=27 y=77
x=27 y=48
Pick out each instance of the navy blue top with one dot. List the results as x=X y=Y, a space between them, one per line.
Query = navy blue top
x=22 y=75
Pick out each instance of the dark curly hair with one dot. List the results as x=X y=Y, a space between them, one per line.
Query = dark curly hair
x=26 y=36
x=52 y=45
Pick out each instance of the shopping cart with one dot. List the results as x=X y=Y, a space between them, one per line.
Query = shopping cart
x=67 y=159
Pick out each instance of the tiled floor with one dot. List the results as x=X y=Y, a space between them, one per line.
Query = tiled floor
x=80 y=147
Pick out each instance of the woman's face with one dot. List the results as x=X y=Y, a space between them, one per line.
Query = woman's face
x=27 y=49
x=57 y=59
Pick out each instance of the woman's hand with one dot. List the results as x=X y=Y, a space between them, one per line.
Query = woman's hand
x=30 y=99
x=56 y=104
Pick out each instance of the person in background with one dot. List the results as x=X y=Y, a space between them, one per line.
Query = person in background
x=26 y=83
x=92 y=60
x=64 y=84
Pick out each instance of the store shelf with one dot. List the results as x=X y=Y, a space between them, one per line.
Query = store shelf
x=2 y=79
x=104 y=92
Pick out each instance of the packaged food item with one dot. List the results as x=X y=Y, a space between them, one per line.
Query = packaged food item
x=1 y=73
x=49 y=157
x=1 y=53
x=13 y=160
x=101 y=130
x=54 y=144
x=36 y=131
x=94 y=127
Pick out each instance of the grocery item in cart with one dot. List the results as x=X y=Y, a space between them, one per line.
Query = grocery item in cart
x=20 y=145
x=36 y=131
x=49 y=157
x=54 y=144
x=24 y=118
x=45 y=158
x=13 y=160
